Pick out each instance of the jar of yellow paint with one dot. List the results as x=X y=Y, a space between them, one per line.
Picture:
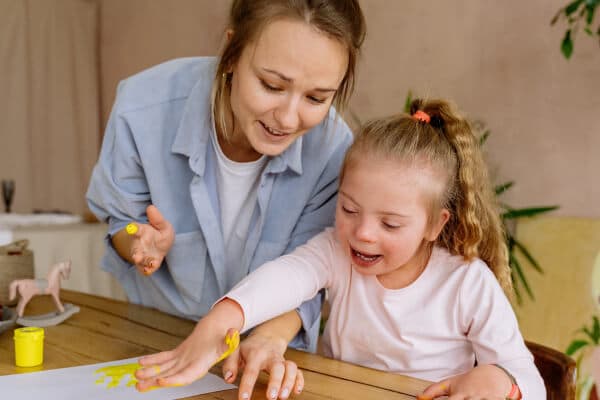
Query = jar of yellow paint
x=29 y=346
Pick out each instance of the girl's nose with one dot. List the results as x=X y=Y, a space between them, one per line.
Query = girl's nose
x=287 y=115
x=364 y=232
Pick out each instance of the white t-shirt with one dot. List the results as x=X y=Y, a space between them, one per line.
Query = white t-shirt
x=237 y=184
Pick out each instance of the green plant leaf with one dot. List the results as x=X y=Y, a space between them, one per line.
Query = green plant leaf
x=514 y=263
x=589 y=18
x=558 y=14
x=407 y=102
x=528 y=256
x=527 y=212
x=484 y=136
x=587 y=333
x=575 y=346
x=499 y=189
x=596 y=330
x=571 y=8
x=567 y=45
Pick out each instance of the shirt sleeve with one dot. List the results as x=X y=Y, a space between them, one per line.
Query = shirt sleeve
x=118 y=191
x=284 y=283
x=493 y=330
x=319 y=214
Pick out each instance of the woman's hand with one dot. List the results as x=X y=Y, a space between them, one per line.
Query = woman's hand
x=482 y=382
x=146 y=245
x=192 y=359
x=260 y=352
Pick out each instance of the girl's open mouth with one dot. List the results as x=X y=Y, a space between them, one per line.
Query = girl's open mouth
x=364 y=259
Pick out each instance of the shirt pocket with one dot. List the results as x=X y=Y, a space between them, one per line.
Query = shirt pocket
x=187 y=263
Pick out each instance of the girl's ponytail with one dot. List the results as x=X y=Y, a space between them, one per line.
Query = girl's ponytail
x=475 y=228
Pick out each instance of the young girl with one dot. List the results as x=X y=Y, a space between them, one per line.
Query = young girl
x=415 y=270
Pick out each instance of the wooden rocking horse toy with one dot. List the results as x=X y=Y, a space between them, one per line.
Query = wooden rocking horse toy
x=27 y=288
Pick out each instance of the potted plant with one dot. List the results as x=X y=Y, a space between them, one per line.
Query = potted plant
x=583 y=349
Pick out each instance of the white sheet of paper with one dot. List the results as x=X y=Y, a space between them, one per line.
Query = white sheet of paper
x=77 y=383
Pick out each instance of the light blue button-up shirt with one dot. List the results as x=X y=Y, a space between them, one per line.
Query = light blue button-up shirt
x=157 y=150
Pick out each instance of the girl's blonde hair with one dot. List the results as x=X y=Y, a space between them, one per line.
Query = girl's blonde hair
x=447 y=145
x=342 y=20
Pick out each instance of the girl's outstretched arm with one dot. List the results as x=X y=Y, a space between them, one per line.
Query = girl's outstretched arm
x=196 y=354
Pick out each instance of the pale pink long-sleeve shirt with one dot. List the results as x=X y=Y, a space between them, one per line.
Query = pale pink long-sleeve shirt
x=453 y=314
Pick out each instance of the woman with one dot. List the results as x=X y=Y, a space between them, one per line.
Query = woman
x=226 y=164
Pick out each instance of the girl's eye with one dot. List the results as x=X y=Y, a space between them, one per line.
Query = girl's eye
x=348 y=211
x=390 y=226
x=269 y=87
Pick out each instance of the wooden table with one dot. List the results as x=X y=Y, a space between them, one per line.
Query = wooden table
x=107 y=330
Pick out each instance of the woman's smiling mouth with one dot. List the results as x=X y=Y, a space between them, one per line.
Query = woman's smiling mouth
x=273 y=132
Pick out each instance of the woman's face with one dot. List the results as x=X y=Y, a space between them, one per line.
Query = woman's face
x=282 y=86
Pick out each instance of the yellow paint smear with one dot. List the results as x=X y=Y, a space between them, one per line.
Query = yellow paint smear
x=116 y=373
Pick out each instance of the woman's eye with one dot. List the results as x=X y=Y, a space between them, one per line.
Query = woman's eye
x=270 y=87
x=316 y=100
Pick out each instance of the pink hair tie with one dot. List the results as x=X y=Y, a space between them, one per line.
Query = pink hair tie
x=421 y=116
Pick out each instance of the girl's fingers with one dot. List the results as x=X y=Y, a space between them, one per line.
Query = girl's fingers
x=248 y=380
x=289 y=379
x=179 y=376
x=299 y=385
x=435 y=390
x=276 y=374
x=158 y=358
x=155 y=370
x=231 y=366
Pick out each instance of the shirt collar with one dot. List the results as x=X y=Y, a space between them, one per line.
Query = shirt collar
x=196 y=118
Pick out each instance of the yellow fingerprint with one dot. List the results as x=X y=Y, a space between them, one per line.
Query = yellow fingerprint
x=131 y=228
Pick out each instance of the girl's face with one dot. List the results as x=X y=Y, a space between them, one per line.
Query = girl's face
x=382 y=219
x=282 y=86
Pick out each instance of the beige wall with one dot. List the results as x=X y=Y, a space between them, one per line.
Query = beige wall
x=566 y=294
x=499 y=61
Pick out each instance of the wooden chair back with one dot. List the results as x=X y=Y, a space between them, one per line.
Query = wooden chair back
x=557 y=369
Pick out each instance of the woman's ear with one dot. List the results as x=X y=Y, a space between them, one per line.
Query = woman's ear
x=438 y=224
x=228 y=34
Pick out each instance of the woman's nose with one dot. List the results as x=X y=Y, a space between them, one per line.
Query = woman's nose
x=287 y=115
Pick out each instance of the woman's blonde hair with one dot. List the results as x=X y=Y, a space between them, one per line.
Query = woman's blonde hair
x=342 y=20
x=447 y=145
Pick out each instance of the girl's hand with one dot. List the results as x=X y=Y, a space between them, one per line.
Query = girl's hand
x=150 y=242
x=192 y=359
x=482 y=382
x=259 y=352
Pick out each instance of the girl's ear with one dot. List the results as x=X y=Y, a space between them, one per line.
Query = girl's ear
x=437 y=225
x=228 y=34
